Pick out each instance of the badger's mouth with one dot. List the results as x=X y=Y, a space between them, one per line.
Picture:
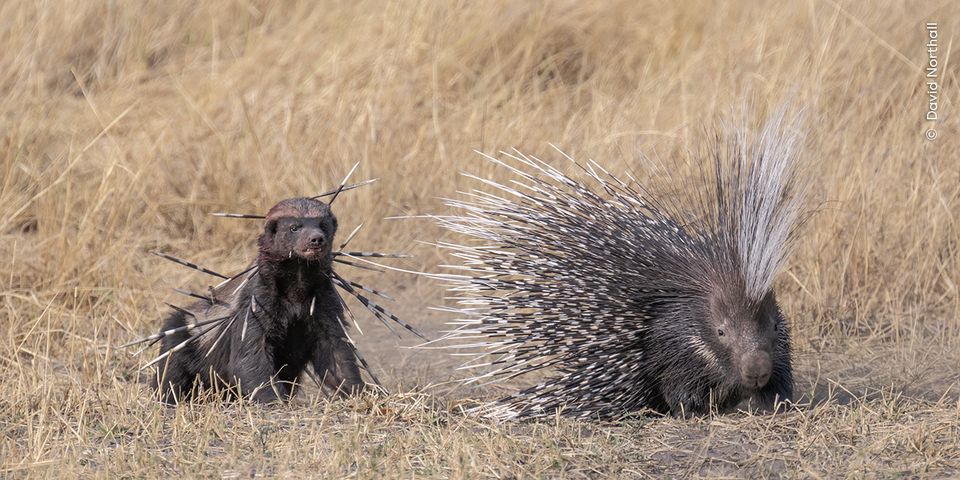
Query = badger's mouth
x=314 y=252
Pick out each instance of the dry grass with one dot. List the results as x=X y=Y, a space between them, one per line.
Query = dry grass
x=124 y=123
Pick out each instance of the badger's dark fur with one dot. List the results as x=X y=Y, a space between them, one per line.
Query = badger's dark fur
x=282 y=314
x=632 y=300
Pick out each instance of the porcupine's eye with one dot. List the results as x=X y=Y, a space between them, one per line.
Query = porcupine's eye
x=295 y=228
x=719 y=332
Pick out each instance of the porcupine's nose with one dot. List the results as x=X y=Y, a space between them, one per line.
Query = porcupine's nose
x=755 y=369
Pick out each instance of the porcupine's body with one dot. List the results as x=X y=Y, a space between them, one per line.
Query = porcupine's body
x=634 y=301
x=282 y=314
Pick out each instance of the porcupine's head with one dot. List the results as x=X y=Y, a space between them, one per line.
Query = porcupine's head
x=739 y=337
x=298 y=228
x=743 y=238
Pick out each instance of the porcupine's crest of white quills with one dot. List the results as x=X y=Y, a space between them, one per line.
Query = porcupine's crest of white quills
x=607 y=285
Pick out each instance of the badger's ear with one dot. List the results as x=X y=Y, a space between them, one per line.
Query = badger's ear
x=271 y=227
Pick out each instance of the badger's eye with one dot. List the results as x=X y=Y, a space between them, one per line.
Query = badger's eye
x=294 y=228
x=719 y=332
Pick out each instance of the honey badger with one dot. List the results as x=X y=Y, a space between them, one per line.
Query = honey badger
x=257 y=332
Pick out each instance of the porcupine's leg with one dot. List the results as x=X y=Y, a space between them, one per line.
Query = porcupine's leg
x=684 y=403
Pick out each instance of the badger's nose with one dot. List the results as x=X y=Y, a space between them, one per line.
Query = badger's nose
x=755 y=369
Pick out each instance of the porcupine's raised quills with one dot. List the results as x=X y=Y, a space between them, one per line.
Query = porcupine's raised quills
x=632 y=301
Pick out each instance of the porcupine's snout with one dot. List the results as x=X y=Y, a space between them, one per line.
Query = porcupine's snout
x=755 y=369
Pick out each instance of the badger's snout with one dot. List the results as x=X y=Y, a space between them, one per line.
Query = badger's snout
x=312 y=243
x=317 y=240
x=755 y=368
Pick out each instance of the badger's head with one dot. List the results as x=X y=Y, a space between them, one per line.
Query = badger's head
x=299 y=228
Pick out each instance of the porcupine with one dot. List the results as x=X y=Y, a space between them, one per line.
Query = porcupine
x=258 y=330
x=634 y=301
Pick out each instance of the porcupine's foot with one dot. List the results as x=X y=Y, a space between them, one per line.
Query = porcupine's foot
x=776 y=395
x=684 y=404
